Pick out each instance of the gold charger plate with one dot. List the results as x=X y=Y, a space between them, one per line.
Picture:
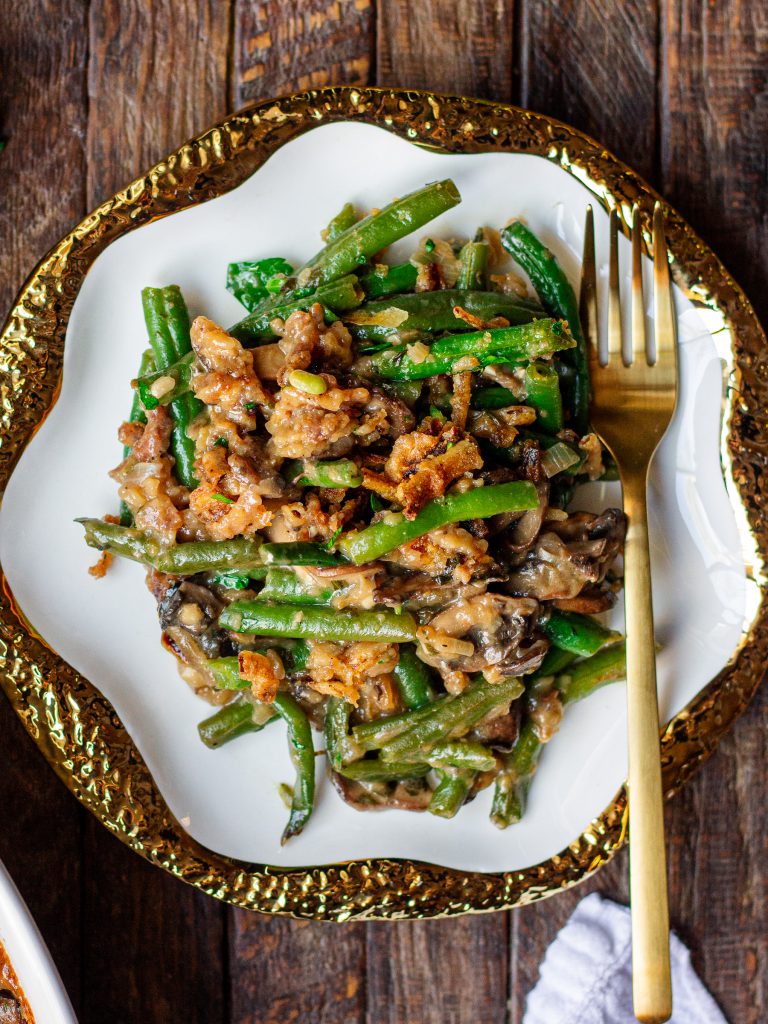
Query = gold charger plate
x=75 y=726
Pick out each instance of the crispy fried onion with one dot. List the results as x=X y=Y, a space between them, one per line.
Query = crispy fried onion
x=422 y=464
x=448 y=551
x=570 y=555
x=476 y=321
x=339 y=670
x=263 y=672
x=489 y=633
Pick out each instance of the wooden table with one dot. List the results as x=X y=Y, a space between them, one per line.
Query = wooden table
x=91 y=93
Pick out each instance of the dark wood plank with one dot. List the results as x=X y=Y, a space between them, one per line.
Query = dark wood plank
x=43 y=109
x=439 y=972
x=154 y=949
x=446 y=45
x=719 y=890
x=284 y=970
x=592 y=63
x=714 y=101
x=40 y=844
x=287 y=45
x=157 y=75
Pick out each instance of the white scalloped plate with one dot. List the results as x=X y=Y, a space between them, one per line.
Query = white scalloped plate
x=228 y=799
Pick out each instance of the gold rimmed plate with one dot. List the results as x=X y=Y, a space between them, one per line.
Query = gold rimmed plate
x=122 y=741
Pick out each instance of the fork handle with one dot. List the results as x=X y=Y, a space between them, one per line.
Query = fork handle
x=652 y=990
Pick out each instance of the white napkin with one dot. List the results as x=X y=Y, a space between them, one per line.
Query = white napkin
x=586 y=975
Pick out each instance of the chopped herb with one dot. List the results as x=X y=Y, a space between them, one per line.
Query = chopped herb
x=250 y=406
x=221 y=442
x=429 y=245
x=328 y=546
x=224 y=498
x=376 y=503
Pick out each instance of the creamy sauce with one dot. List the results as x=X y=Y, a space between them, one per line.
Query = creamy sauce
x=14 y=1008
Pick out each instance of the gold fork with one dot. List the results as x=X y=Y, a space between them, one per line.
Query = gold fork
x=633 y=401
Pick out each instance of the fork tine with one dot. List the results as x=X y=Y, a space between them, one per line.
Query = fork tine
x=663 y=310
x=639 y=348
x=588 y=292
x=614 y=297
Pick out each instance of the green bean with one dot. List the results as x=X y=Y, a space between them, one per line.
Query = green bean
x=414 y=680
x=465 y=754
x=453 y=717
x=474 y=261
x=251 y=282
x=451 y=792
x=336 y=296
x=559 y=298
x=494 y=398
x=229 y=722
x=339 y=745
x=180 y=372
x=303 y=756
x=238 y=580
x=518 y=344
x=408 y=391
x=364 y=239
x=395 y=530
x=284 y=586
x=337 y=473
x=317 y=623
x=136 y=415
x=556 y=660
x=299 y=656
x=298 y=553
x=579 y=634
x=574 y=684
x=376 y=770
x=385 y=280
x=512 y=783
x=542 y=388
x=186 y=559
x=343 y=220
x=167 y=320
x=433 y=312
x=582 y=679
x=376 y=734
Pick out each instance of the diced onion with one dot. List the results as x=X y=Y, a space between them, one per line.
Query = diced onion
x=558 y=458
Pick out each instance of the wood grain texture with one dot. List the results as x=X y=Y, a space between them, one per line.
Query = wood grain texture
x=439 y=972
x=446 y=45
x=40 y=845
x=714 y=120
x=284 y=971
x=43 y=115
x=162 y=943
x=286 y=45
x=157 y=74
x=43 y=110
x=592 y=63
